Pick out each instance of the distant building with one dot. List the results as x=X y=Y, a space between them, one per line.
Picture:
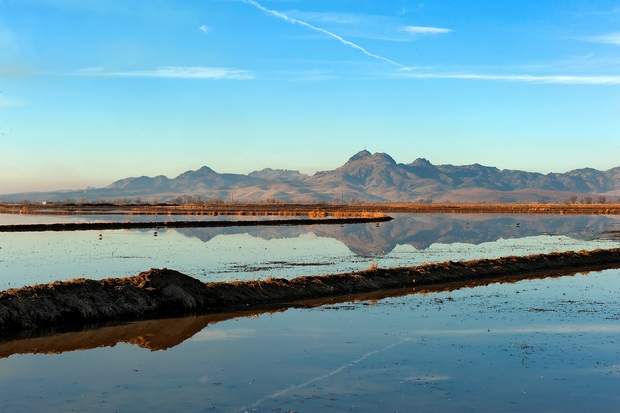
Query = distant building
x=47 y=203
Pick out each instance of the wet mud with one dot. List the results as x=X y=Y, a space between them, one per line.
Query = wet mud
x=167 y=293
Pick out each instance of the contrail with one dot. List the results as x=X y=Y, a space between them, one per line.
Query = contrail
x=318 y=29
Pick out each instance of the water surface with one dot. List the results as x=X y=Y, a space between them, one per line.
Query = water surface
x=534 y=345
x=539 y=345
x=225 y=254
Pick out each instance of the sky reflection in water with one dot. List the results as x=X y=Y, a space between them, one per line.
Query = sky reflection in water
x=535 y=345
x=224 y=254
x=531 y=346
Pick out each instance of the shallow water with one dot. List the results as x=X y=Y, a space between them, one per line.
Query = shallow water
x=535 y=345
x=225 y=254
x=541 y=345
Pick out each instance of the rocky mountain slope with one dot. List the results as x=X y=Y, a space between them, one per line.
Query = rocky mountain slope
x=364 y=177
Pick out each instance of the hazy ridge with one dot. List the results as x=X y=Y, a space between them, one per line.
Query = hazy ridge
x=364 y=177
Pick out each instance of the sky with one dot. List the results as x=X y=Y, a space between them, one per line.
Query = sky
x=94 y=91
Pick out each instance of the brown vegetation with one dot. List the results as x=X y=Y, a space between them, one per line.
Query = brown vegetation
x=164 y=292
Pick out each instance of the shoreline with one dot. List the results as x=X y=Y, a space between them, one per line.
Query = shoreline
x=160 y=293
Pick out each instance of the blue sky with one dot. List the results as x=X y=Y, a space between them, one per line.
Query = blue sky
x=94 y=91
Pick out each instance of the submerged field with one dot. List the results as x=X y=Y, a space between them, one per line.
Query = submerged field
x=532 y=345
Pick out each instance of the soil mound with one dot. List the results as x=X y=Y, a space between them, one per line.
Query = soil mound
x=166 y=293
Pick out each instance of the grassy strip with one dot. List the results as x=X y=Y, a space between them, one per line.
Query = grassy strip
x=164 y=292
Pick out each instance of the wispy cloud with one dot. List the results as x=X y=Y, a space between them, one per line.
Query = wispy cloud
x=610 y=12
x=320 y=30
x=612 y=38
x=204 y=29
x=329 y=17
x=177 y=72
x=416 y=30
x=557 y=79
x=377 y=27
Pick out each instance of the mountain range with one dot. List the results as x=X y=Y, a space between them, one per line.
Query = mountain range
x=364 y=177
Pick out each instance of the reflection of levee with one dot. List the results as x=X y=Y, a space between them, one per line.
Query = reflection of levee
x=162 y=334
x=89 y=226
x=166 y=293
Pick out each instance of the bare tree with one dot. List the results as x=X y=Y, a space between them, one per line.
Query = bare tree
x=215 y=200
x=601 y=199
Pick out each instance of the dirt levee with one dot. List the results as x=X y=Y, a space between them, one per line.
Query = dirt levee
x=164 y=292
x=90 y=226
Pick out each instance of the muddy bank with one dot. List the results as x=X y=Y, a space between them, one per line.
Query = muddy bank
x=90 y=226
x=162 y=334
x=166 y=293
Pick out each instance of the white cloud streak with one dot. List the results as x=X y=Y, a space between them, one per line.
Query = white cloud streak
x=204 y=29
x=555 y=79
x=425 y=30
x=318 y=29
x=612 y=38
x=176 y=72
x=366 y=26
x=329 y=17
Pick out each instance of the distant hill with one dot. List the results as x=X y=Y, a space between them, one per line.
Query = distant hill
x=364 y=177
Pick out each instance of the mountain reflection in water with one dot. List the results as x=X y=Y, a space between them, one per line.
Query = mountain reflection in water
x=225 y=254
x=423 y=230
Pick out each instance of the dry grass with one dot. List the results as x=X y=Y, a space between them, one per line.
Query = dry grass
x=318 y=210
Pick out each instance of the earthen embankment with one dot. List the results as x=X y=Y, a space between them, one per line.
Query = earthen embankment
x=164 y=292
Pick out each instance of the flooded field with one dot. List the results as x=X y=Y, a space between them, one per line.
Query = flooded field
x=534 y=345
x=226 y=254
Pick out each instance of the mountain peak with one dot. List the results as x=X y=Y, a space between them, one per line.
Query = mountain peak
x=380 y=156
x=360 y=155
x=278 y=175
x=421 y=163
